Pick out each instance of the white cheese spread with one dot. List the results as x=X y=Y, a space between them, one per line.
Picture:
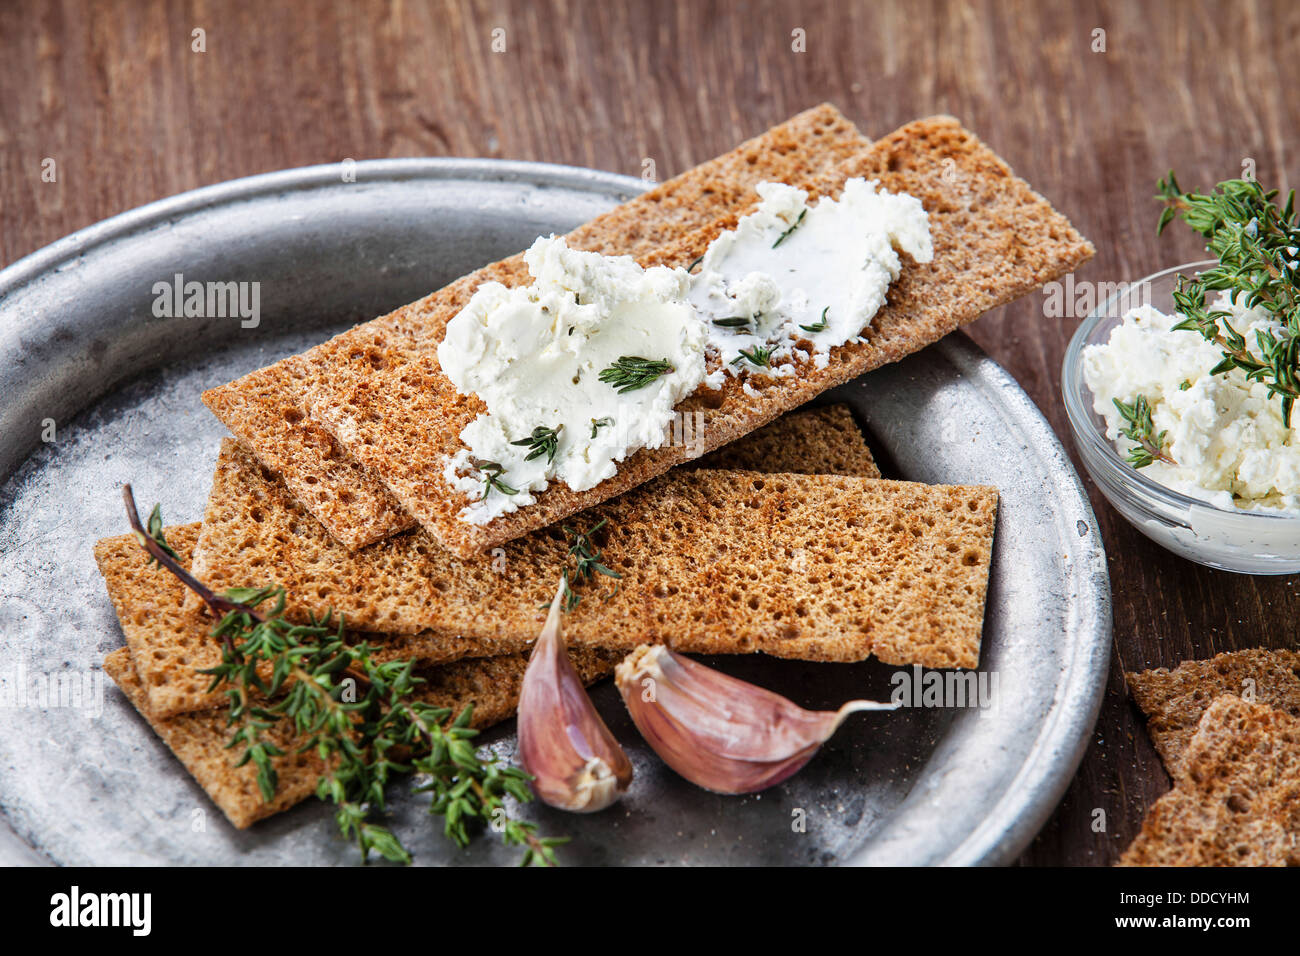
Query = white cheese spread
x=790 y=268
x=1225 y=433
x=534 y=355
x=789 y=283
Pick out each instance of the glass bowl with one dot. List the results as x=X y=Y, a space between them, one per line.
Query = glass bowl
x=1231 y=540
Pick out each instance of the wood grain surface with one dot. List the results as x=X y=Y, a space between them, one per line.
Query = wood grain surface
x=116 y=96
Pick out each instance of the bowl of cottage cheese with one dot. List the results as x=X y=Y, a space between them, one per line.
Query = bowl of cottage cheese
x=1218 y=473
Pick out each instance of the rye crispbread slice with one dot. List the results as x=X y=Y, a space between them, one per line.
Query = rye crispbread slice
x=169 y=644
x=169 y=637
x=1236 y=798
x=265 y=408
x=1175 y=700
x=199 y=739
x=818 y=567
x=995 y=239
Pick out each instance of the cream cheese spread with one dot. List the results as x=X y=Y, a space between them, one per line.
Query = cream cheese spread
x=1225 y=433
x=789 y=283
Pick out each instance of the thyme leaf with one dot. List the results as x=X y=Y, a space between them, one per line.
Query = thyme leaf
x=759 y=355
x=542 y=441
x=820 y=326
x=589 y=561
x=631 y=372
x=492 y=477
x=1141 y=431
x=793 y=226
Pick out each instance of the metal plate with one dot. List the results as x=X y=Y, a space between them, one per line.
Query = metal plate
x=80 y=346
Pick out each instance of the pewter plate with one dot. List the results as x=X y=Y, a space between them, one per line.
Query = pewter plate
x=82 y=352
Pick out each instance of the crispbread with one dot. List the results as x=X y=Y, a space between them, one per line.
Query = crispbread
x=169 y=644
x=994 y=240
x=1236 y=799
x=265 y=408
x=199 y=739
x=1175 y=700
x=818 y=567
x=169 y=638
x=814 y=441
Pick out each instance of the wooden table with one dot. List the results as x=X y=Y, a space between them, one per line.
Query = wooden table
x=117 y=96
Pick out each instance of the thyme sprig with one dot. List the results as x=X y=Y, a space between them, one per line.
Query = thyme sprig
x=820 y=326
x=542 y=441
x=1257 y=244
x=759 y=355
x=361 y=717
x=793 y=226
x=598 y=423
x=1149 y=444
x=589 y=561
x=734 y=322
x=492 y=478
x=631 y=372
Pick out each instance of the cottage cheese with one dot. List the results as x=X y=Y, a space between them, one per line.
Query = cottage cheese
x=534 y=354
x=1225 y=433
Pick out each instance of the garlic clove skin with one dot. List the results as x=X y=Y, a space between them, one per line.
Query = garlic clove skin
x=575 y=762
x=721 y=733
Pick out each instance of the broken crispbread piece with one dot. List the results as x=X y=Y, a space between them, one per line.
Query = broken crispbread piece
x=994 y=239
x=265 y=408
x=819 y=567
x=199 y=740
x=1236 y=799
x=1175 y=700
x=170 y=638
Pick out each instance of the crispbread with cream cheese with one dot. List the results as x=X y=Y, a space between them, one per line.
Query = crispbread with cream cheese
x=994 y=240
x=265 y=408
x=819 y=567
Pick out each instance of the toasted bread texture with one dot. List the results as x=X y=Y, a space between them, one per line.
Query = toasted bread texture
x=266 y=408
x=1236 y=797
x=169 y=640
x=1175 y=700
x=818 y=567
x=995 y=239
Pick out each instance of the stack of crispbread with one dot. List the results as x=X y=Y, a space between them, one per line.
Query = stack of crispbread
x=168 y=642
x=783 y=539
x=1235 y=762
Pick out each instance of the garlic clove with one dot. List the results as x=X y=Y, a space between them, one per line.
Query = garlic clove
x=721 y=733
x=575 y=762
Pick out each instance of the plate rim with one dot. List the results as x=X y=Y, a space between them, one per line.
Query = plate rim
x=1051 y=763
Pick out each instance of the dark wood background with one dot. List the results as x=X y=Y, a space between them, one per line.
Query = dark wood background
x=114 y=93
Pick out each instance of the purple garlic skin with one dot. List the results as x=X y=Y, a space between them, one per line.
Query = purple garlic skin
x=575 y=762
x=721 y=733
